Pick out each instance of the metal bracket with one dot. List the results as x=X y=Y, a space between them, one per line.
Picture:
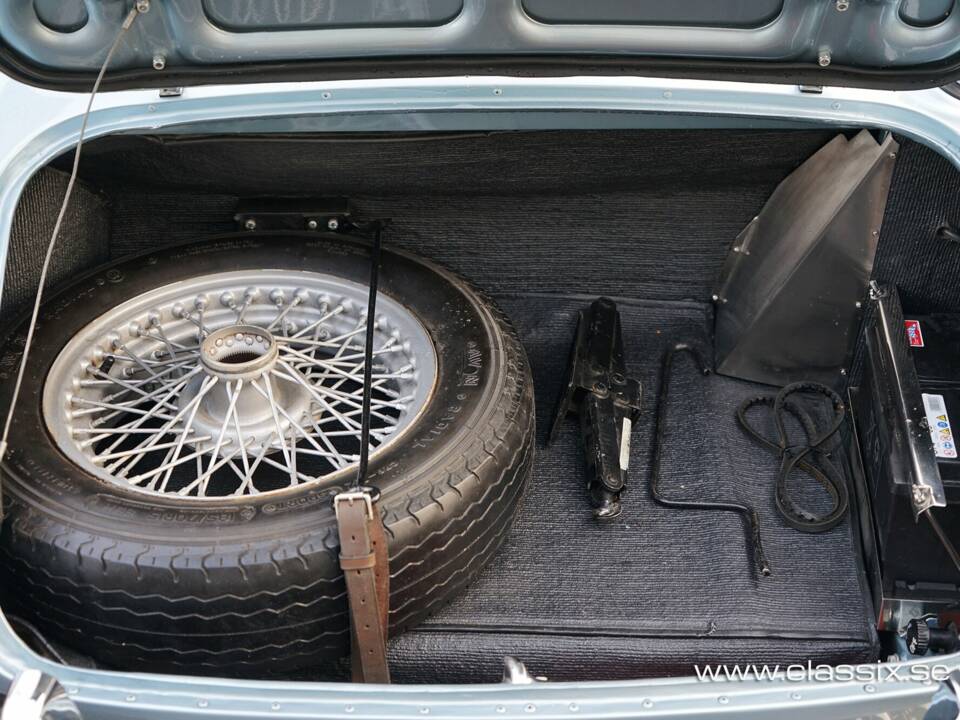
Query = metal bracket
x=900 y=378
x=285 y=214
x=607 y=401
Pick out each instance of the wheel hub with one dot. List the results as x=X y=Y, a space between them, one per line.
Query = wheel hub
x=238 y=352
x=240 y=399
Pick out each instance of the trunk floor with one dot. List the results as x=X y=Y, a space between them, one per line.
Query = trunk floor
x=657 y=590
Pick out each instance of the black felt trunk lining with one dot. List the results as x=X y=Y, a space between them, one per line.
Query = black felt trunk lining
x=658 y=590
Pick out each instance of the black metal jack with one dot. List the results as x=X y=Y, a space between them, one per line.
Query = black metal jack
x=608 y=403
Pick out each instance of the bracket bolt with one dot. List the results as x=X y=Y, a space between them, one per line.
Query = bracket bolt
x=333 y=224
x=143 y=6
x=159 y=62
x=250 y=224
x=824 y=58
x=843 y=5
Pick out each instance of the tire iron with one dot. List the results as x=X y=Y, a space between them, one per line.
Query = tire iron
x=608 y=402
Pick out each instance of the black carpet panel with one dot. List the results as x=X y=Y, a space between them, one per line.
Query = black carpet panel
x=639 y=214
x=658 y=590
x=84 y=239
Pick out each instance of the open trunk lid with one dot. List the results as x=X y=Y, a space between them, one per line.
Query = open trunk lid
x=895 y=44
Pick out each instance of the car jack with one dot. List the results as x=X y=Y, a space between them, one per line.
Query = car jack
x=607 y=401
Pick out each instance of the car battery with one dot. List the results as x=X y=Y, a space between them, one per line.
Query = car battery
x=934 y=342
x=907 y=416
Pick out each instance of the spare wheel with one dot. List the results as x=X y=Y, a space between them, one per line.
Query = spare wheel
x=187 y=416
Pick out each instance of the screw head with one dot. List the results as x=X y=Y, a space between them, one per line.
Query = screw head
x=312 y=224
x=143 y=6
x=333 y=224
x=250 y=224
x=824 y=58
x=843 y=5
x=159 y=62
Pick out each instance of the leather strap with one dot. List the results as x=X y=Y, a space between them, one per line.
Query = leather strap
x=363 y=559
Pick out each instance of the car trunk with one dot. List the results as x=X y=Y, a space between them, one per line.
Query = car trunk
x=545 y=222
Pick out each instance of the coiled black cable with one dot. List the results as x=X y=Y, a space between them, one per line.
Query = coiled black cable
x=810 y=457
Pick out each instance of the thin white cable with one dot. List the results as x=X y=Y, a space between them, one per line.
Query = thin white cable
x=127 y=22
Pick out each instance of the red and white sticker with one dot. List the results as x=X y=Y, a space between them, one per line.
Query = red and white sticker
x=914 y=334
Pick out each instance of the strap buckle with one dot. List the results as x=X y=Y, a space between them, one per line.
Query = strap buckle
x=357 y=495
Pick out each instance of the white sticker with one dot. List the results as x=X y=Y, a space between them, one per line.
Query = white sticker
x=940 y=431
x=625 y=443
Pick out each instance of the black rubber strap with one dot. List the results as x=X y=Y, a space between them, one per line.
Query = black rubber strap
x=375 y=249
x=811 y=458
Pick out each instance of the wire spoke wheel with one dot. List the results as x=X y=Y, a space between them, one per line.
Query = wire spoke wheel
x=236 y=384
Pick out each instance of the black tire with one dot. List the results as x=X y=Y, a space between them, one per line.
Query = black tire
x=251 y=587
